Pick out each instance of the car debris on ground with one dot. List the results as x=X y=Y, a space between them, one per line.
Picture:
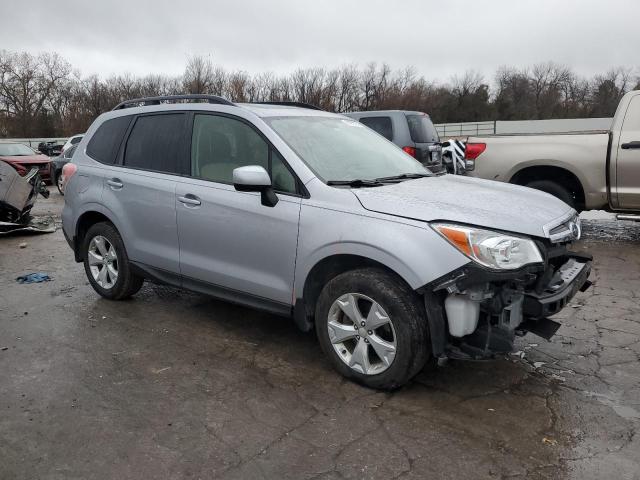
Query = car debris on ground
x=17 y=196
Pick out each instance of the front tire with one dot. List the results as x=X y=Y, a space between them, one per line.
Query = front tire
x=373 y=328
x=107 y=265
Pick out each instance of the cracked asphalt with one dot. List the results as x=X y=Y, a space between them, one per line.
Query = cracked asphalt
x=178 y=385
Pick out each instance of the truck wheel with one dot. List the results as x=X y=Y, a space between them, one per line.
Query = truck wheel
x=554 y=189
x=373 y=328
x=107 y=265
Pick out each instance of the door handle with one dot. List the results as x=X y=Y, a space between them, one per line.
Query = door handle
x=189 y=199
x=630 y=145
x=115 y=183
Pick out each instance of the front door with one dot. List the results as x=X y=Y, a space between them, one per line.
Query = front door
x=230 y=242
x=628 y=159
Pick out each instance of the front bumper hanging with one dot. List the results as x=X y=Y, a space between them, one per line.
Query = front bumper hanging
x=511 y=303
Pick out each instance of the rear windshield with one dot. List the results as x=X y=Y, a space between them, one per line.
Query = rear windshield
x=421 y=128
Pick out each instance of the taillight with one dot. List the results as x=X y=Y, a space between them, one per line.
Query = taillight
x=68 y=171
x=473 y=150
x=410 y=150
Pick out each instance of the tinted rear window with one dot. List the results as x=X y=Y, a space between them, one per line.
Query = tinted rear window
x=155 y=142
x=421 y=129
x=382 y=125
x=105 y=143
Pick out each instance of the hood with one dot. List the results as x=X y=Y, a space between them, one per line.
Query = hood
x=25 y=159
x=473 y=201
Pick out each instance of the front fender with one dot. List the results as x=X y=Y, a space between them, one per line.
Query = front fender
x=411 y=249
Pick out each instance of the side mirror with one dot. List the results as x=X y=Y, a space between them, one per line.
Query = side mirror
x=254 y=178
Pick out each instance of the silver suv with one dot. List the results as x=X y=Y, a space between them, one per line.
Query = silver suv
x=311 y=215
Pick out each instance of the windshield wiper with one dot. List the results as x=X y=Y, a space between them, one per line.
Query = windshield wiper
x=357 y=183
x=403 y=176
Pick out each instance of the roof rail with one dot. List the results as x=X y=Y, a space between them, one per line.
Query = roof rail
x=141 y=102
x=290 y=104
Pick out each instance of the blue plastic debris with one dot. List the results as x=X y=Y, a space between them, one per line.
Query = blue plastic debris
x=33 y=278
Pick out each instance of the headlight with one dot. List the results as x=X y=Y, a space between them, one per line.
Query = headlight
x=492 y=249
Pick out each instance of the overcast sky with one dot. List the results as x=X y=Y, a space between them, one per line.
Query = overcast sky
x=439 y=38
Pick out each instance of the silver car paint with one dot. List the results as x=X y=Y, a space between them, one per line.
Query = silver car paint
x=332 y=221
x=234 y=241
x=459 y=199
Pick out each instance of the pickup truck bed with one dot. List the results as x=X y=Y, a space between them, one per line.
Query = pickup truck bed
x=590 y=170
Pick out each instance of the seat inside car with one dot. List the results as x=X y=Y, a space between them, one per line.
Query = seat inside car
x=214 y=156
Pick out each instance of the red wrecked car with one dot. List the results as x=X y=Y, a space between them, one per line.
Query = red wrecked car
x=23 y=159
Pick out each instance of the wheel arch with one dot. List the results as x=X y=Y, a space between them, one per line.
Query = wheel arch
x=85 y=221
x=329 y=267
x=560 y=175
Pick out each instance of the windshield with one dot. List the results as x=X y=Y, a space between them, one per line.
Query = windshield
x=15 y=150
x=338 y=149
x=421 y=128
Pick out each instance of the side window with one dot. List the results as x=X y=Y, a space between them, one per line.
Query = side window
x=75 y=141
x=105 y=143
x=632 y=116
x=221 y=144
x=382 y=125
x=154 y=143
x=281 y=177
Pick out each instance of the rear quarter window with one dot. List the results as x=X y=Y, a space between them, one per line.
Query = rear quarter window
x=382 y=125
x=105 y=142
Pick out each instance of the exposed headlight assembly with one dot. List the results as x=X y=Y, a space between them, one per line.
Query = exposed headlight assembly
x=491 y=249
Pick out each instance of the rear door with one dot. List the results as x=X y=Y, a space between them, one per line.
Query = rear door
x=628 y=158
x=140 y=190
x=230 y=244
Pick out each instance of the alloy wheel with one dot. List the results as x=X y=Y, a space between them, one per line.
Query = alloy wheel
x=362 y=333
x=60 y=183
x=103 y=262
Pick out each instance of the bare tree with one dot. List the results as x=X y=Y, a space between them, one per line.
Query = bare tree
x=198 y=75
x=40 y=96
x=26 y=83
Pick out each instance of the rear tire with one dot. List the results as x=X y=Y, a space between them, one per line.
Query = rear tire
x=402 y=321
x=107 y=265
x=56 y=179
x=554 y=189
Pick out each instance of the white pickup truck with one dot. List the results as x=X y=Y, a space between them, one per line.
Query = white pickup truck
x=595 y=170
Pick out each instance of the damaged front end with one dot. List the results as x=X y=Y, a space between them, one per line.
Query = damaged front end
x=18 y=194
x=476 y=313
